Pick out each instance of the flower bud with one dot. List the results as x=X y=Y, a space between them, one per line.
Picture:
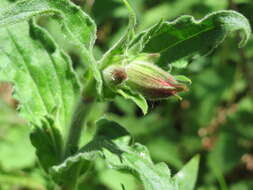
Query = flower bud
x=152 y=81
x=144 y=77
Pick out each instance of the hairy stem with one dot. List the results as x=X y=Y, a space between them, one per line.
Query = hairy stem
x=82 y=110
x=80 y=114
x=84 y=105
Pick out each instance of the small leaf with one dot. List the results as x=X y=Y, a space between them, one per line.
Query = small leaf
x=186 y=37
x=186 y=177
x=137 y=98
x=182 y=78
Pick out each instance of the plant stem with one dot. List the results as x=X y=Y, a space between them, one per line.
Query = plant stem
x=84 y=105
x=82 y=110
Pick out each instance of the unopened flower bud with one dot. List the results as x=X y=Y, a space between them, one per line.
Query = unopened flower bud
x=152 y=81
x=144 y=77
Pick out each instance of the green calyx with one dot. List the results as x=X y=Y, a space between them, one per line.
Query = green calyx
x=145 y=78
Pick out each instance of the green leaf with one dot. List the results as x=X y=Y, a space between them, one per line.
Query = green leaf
x=45 y=85
x=44 y=81
x=78 y=27
x=47 y=140
x=187 y=176
x=92 y=151
x=137 y=98
x=186 y=37
x=113 y=144
x=136 y=161
x=182 y=78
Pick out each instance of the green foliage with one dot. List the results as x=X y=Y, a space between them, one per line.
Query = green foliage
x=45 y=86
x=186 y=177
x=113 y=144
x=189 y=37
x=48 y=143
x=78 y=27
x=57 y=89
x=136 y=98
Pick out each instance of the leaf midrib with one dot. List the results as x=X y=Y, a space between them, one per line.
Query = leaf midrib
x=190 y=37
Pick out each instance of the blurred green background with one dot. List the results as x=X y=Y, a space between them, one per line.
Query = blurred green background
x=214 y=119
